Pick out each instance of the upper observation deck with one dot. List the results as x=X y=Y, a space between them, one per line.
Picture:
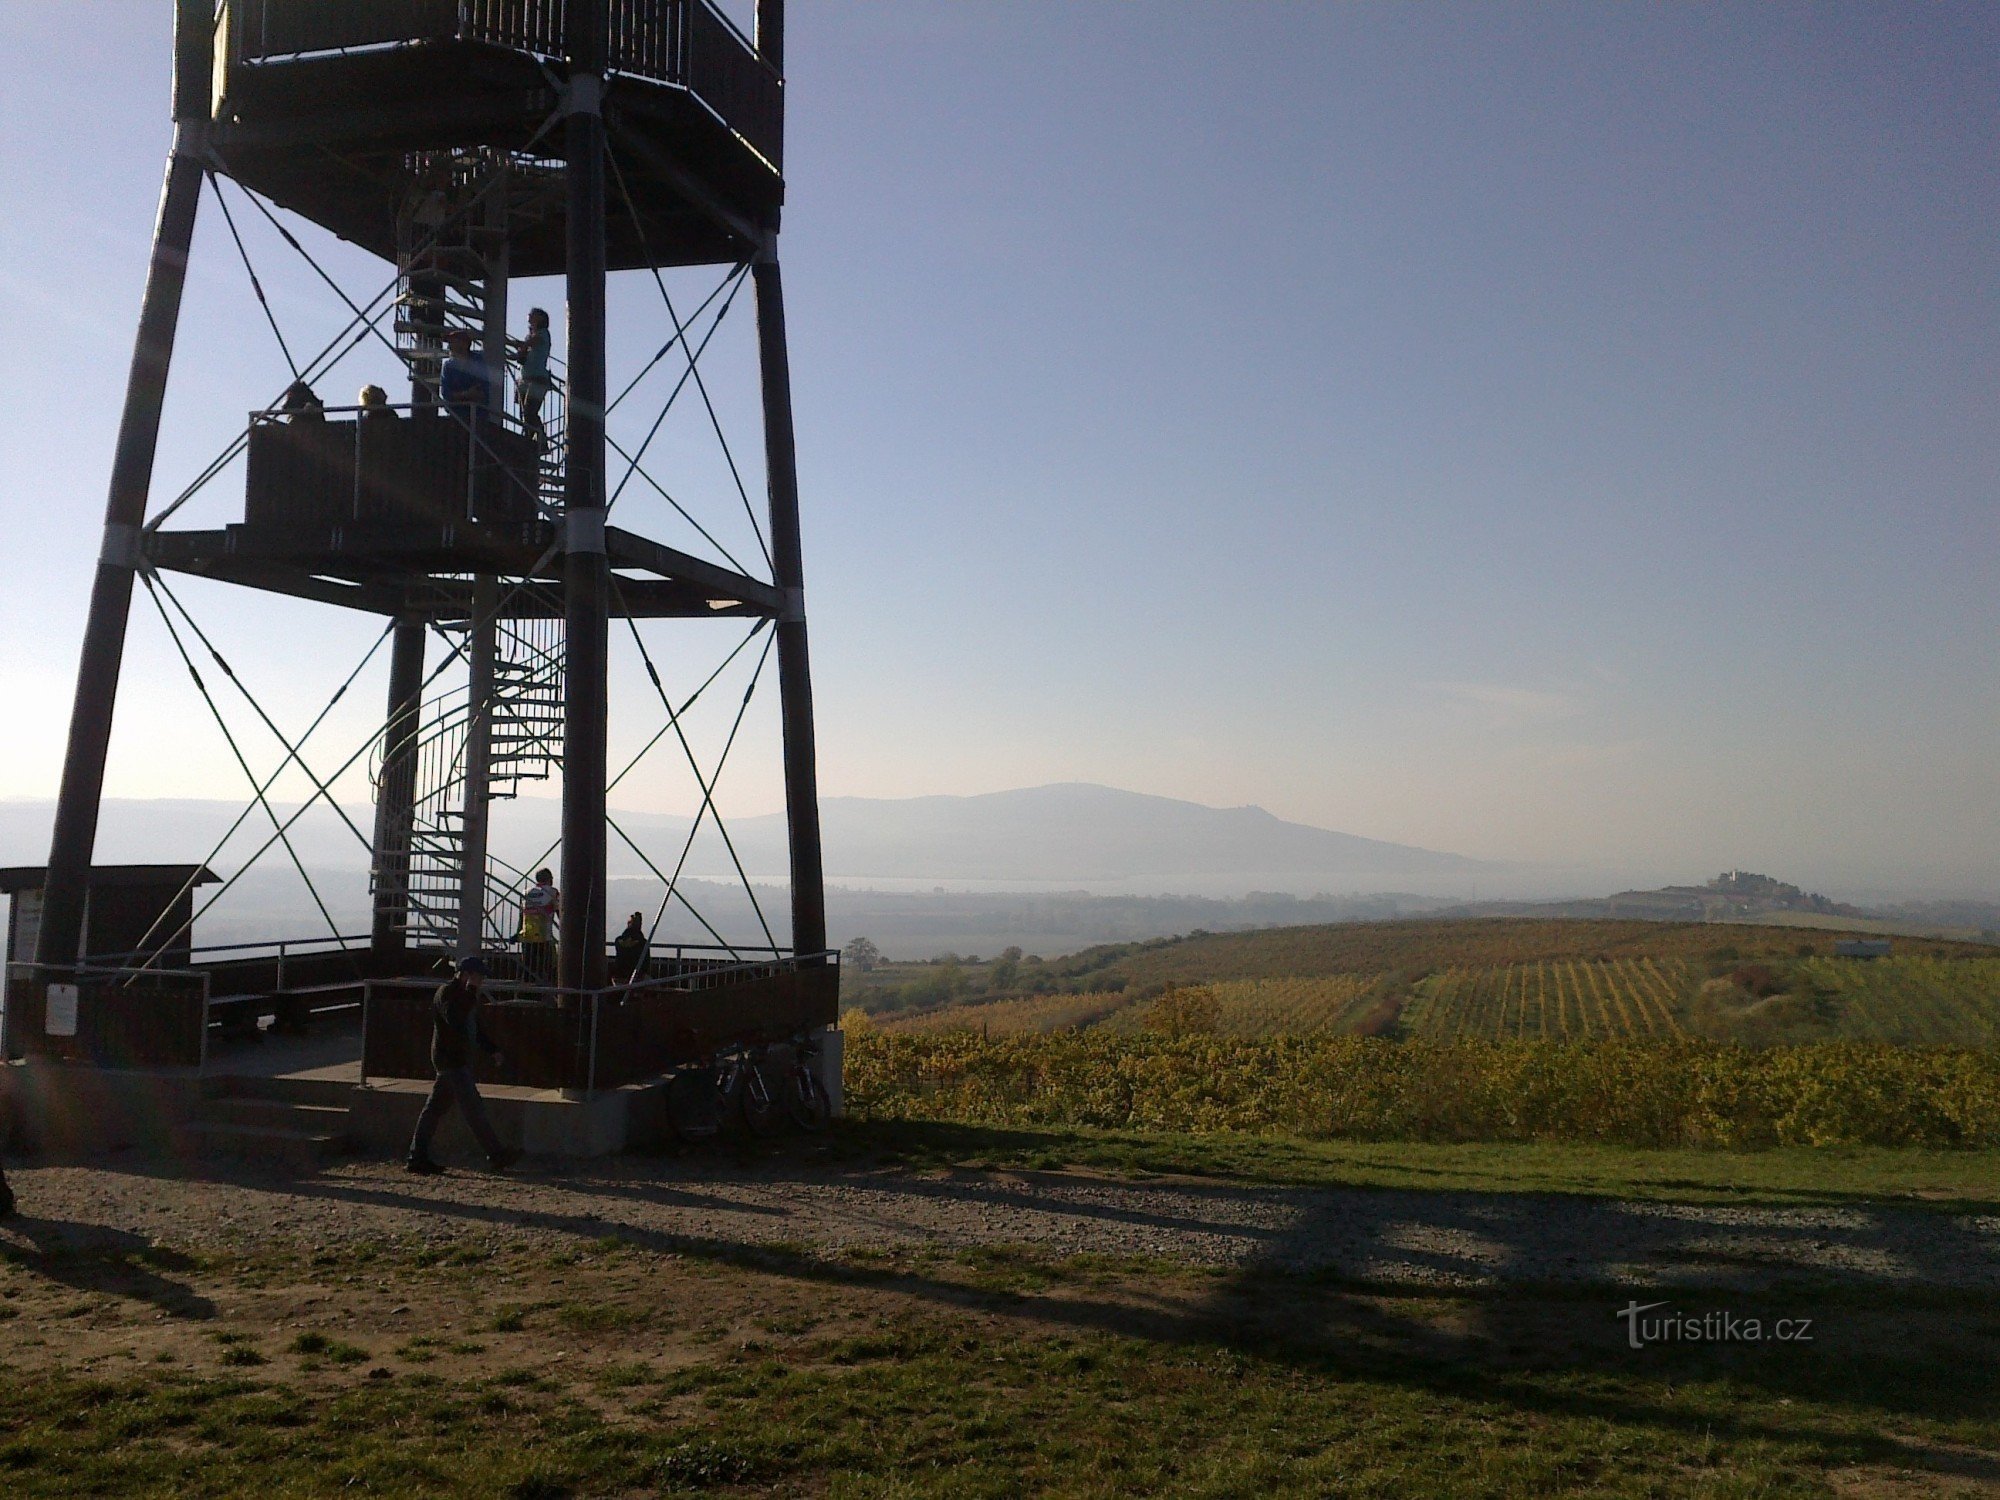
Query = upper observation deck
x=336 y=109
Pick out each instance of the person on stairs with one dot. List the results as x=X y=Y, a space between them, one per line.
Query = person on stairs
x=532 y=385
x=455 y=1031
x=540 y=909
x=465 y=380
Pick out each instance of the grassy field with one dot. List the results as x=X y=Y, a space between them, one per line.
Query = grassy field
x=1952 y=1181
x=1500 y=978
x=619 y=1368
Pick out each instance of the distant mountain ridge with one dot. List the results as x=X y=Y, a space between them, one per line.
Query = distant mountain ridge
x=1071 y=833
x=1083 y=832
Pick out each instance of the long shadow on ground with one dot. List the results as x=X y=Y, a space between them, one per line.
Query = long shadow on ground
x=1892 y=1340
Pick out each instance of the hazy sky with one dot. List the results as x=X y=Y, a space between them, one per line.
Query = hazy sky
x=1541 y=432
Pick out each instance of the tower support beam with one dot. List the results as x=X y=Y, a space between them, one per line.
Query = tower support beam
x=482 y=647
x=75 y=835
x=788 y=569
x=395 y=796
x=586 y=574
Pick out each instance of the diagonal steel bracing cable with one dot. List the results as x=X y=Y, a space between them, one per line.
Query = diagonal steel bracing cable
x=341 y=292
x=236 y=751
x=701 y=385
x=257 y=708
x=313 y=370
x=316 y=368
x=673 y=892
x=612 y=443
x=707 y=801
x=269 y=782
x=633 y=764
x=689 y=374
x=668 y=347
x=707 y=786
x=251 y=271
x=307 y=806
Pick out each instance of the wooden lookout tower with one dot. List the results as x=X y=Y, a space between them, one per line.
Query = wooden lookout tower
x=466 y=143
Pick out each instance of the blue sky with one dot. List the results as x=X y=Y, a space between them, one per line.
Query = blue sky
x=1561 y=433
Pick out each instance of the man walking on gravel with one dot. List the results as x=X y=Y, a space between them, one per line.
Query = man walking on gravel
x=455 y=1029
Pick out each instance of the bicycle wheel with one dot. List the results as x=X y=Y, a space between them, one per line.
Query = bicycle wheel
x=805 y=1098
x=694 y=1105
x=763 y=1113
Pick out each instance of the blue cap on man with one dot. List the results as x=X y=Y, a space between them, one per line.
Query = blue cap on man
x=473 y=963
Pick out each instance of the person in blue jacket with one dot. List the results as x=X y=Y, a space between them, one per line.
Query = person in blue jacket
x=465 y=379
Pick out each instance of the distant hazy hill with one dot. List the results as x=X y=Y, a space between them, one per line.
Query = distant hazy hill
x=1738 y=896
x=1075 y=835
x=1734 y=896
x=1429 y=945
x=1078 y=833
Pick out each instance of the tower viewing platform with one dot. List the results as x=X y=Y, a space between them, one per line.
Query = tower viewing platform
x=322 y=104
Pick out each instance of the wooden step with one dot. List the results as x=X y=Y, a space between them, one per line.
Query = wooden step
x=331 y=1093
x=274 y=1114
x=290 y=1148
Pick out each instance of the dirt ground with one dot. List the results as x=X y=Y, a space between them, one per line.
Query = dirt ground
x=807 y=1198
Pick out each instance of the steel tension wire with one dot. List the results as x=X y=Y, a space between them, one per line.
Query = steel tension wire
x=248 y=774
x=340 y=292
x=707 y=785
x=661 y=733
x=269 y=782
x=613 y=444
x=701 y=386
x=251 y=271
x=707 y=803
x=257 y=708
x=315 y=368
x=674 y=395
x=306 y=807
x=667 y=348
x=633 y=764
x=672 y=891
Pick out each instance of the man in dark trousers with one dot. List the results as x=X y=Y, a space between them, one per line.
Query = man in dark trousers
x=455 y=1029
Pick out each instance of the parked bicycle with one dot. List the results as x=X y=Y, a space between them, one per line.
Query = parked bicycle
x=763 y=1087
x=804 y=1092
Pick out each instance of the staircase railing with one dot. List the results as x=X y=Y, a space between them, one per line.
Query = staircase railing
x=525 y=721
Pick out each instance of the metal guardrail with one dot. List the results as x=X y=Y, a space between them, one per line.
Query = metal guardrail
x=691 y=1010
x=277 y=948
x=135 y=1028
x=567 y=1024
x=687 y=44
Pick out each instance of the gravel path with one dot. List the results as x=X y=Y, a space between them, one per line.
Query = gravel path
x=1438 y=1238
